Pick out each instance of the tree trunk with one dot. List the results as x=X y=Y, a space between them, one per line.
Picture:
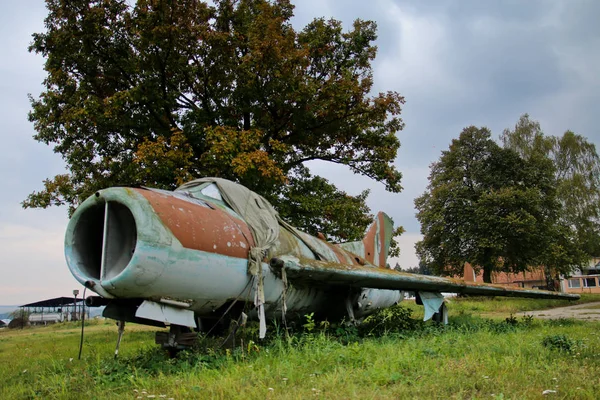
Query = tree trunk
x=246 y=121
x=487 y=273
x=551 y=280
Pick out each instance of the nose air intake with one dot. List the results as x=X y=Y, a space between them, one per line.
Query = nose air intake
x=104 y=240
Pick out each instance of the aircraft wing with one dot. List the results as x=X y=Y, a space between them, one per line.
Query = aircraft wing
x=326 y=273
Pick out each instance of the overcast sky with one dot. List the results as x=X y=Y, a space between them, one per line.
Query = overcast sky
x=458 y=63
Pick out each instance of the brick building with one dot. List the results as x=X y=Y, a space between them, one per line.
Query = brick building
x=583 y=280
x=532 y=279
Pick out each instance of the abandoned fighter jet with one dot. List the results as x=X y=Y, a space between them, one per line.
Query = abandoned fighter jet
x=185 y=258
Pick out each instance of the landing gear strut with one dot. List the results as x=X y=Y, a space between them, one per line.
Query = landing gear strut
x=441 y=316
x=121 y=325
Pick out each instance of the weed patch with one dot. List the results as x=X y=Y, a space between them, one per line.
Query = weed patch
x=561 y=343
x=394 y=319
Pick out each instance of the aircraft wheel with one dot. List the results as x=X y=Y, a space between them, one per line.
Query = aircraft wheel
x=178 y=338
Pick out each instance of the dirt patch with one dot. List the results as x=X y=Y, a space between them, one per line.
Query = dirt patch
x=586 y=312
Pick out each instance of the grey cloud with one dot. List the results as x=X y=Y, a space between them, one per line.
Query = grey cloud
x=25 y=162
x=475 y=62
x=457 y=63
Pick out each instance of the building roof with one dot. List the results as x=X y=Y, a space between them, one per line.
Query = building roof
x=56 y=302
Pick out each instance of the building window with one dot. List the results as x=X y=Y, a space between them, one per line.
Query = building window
x=574 y=283
x=589 y=282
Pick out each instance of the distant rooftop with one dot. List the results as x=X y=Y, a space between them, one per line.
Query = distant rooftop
x=56 y=302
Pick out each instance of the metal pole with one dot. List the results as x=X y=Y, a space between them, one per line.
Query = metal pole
x=75 y=293
x=121 y=325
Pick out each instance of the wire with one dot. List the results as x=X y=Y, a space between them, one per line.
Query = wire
x=231 y=305
x=82 y=322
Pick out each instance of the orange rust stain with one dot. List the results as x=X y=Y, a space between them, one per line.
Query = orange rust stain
x=413 y=278
x=342 y=255
x=382 y=260
x=201 y=228
x=369 y=243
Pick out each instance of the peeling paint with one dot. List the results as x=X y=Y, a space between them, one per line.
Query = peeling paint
x=382 y=278
x=187 y=228
x=196 y=252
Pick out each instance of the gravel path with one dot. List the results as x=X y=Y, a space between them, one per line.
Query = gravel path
x=586 y=312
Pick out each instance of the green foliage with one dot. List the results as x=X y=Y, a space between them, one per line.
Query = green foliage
x=560 y=343
x=577 y=172
x=562 y=322
x=153 y=93
x=20 y=313
x=527 y=320
x=153 y=361
x=300 y=208
x=488 y=206
x=310 y=324
x=422 y=269
x=396 y=319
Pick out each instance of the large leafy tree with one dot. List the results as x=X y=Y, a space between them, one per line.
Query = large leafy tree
x=577 y=172
x=422 y=269
x=164 y=91
x=489 y=206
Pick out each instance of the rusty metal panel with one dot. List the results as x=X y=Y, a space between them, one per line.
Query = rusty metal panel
x=201 y=228
x=369 y=240
x=374 y=240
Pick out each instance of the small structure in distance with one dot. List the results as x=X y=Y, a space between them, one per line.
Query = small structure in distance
x=51 y=311
x=583 y=280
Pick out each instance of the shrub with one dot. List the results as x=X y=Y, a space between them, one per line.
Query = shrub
x=393 y=319
x=559 y=343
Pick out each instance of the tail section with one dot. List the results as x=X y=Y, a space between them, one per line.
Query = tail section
x=375 y=246
x=378 y=239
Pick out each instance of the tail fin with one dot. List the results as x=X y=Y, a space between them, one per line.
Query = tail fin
x=378 y=239
x=375 y=246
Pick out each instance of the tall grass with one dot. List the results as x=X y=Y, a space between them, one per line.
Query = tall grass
x=389 y=357
x=500 y=306
x=505 y=305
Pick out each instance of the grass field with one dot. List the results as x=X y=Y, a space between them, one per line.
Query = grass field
x=473 y=357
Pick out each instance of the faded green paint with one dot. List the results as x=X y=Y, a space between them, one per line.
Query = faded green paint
x=382 y=278
x=325 y=278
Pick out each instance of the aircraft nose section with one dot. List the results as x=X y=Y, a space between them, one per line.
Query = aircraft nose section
x=103 y=236
x=104 y=240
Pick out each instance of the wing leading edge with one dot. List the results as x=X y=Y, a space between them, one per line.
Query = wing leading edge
x=327 y=273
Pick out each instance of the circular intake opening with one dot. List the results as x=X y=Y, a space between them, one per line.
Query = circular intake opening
x=104 y=240
x=87 y=240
